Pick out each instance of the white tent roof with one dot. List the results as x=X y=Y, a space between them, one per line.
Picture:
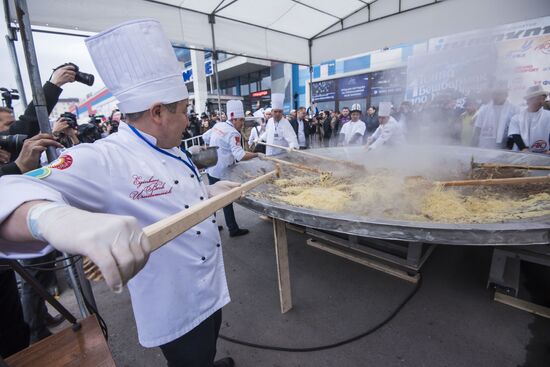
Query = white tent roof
x=284 y=29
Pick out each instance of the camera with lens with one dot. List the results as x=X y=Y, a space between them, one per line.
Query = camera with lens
x=8 y=96
x=70 y=118
x=12 y=143
x=80 y=77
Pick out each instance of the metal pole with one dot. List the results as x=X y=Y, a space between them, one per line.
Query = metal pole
x=44 y=123
x=16 y=71
x=310 y=43
x=212 y=20
x=11 y=37
x=34 y=74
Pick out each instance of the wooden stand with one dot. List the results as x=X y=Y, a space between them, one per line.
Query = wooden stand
x=522 y=305
x=82 y=348
x=283 y=273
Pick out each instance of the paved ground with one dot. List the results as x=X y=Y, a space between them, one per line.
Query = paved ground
x=452 y=321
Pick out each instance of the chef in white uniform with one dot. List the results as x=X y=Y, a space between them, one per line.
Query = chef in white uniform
x=227 y=137
x=353 y=131
x=259 y=129
x=530 y=129
x=493 y=120
x=278 y=129
x=389 y=133
x=95 y=199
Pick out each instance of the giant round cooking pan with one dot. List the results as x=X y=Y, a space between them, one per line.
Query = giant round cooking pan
x=434 y=161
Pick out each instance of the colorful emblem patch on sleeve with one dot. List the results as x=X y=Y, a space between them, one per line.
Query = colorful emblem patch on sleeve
x=63 y=162
x=40 y=173
x=237 y=140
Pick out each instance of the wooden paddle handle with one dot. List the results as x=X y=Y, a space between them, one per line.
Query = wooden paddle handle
x=167 y=229
x=313 y=155
x=516 y=166
x=292 y=164
x=497 y=181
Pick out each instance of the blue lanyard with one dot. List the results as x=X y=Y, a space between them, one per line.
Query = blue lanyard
x=188 y=163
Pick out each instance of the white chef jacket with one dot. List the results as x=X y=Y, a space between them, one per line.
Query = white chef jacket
x=279 y=133
x=493 y=122
x=301 y=134
x=534 y=128
x=255 y=134
x=351 y=128
x=391 y=133
x=183 y=283
x=228 y=140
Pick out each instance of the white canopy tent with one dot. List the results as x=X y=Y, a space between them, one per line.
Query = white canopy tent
x=305 y=32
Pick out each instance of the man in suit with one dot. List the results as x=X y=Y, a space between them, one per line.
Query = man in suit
x=302 y=127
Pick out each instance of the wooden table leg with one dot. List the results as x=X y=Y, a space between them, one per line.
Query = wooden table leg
x=283 y=274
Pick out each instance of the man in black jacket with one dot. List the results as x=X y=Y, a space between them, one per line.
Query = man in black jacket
x=302 y=128
x=14 y=332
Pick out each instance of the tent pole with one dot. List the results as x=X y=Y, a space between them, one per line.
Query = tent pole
x=34 y=74
x=310 y=43
x=44 y=123
x=11 y=37
x=212 y=20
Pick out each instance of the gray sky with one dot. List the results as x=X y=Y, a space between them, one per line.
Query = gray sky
x=51 y=51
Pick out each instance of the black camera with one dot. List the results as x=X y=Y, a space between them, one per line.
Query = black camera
x=70 y=118
x=81 y=77
x=8 y=96
x=13 y=143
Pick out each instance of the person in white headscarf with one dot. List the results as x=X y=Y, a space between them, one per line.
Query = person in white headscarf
x=389 y=133
x=125 y=182
x=278 y=129
x=493 y=120
x=530 y=129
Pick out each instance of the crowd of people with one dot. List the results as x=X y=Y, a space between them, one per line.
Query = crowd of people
x=149 y=178
x=488 y=121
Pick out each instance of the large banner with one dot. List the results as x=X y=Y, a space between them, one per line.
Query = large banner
x=470 y=62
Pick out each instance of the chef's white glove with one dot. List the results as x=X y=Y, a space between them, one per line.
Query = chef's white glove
x=220 y=187
x=115 y=243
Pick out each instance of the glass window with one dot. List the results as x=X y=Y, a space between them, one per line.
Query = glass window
x=266 y=82
x=245 y=89
x=253 y=87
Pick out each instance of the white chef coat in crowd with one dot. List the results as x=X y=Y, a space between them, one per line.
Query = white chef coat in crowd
x=390 y=133
x=228 y=140
x=255 y=134
x=351 y=128
x=301 y=134
x=279 y=133
x=493 y=122
x=184 y=282
x=534 y=128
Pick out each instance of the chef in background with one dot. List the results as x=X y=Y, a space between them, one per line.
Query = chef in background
x=278 y=129
x=353 y=131
x=530 y=129
x=389 y=133
x=227 y=137
x=493 y=119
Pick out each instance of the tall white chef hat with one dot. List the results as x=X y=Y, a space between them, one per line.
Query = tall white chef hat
x=277 y=101
x=235 y=109
x=138 y=65
x=384 y=109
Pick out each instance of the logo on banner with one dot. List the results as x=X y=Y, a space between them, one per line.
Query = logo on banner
x=520 y=52
x=544 y=47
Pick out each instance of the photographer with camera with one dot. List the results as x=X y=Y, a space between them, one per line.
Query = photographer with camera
x=13 y=140
x=21 y=145
x=65 y=130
